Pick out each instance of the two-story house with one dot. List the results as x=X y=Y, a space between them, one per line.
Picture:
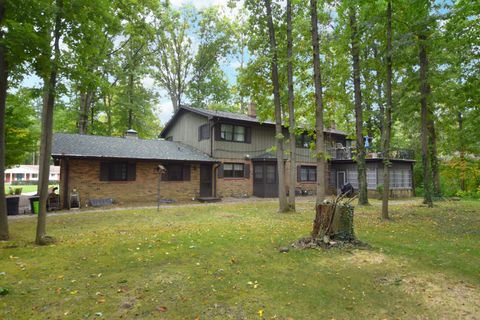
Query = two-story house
x=210 y=154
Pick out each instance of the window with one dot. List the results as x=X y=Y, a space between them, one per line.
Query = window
x=308 y=173
x=176 y=172
x=204 y=132
x=258 y=173
x=271 y=174
x=230 y=132
x=233 y=170
x=117 y=171
x=371 y=178
x=303 y=140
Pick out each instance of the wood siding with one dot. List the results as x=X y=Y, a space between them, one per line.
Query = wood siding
x=185 y=130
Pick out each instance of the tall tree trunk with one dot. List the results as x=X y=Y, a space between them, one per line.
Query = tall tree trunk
x=424 y=95
x=50 y=84
x=291 y=109
x=317 y=79
x=282 y=197
x=379 y=86
x=108 y=105
x=85 y=102
x=387 y=126
x=432 y=140
x=3 y=101
x=362 y=173
x=461 y=149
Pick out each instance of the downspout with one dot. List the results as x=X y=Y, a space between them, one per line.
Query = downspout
x=66 y=201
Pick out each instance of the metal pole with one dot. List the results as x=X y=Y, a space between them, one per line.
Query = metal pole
x=158 y=192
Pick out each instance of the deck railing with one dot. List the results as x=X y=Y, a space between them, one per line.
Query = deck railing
x=348 y=153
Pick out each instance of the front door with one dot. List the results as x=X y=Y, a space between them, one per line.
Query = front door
x=205 y=180
x=265 y=179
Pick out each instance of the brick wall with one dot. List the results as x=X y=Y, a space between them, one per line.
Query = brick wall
x=84 y=176
x=235 y=187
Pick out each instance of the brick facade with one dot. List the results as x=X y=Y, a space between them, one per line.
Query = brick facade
x=236 y=187
x=84 y=176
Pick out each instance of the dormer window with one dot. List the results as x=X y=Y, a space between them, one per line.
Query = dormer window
x=230 y=132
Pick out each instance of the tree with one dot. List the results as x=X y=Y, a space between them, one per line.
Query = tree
x=282 y=198
x=317 y=79
x=360 y=145
x=4 y=235
x=387 y=119
x=50 y=85
x=291 y=109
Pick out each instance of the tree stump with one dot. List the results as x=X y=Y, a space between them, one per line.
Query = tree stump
x=334 y=221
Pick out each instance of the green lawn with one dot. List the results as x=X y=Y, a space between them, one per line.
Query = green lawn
x=222 y=262
x=26 y=188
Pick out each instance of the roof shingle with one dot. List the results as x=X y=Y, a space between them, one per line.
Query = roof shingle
x=76 y=145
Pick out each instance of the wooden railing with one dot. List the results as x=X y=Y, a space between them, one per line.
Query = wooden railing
x=348 y=153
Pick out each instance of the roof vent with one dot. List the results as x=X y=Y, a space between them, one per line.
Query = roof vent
x=131 y=134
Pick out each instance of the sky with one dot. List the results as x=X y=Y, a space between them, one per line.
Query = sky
x=164 y=109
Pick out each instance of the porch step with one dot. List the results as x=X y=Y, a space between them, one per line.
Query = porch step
x=209 y=199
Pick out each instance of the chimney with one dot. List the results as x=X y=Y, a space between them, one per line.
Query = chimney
x=252 y=110
x=131 y=134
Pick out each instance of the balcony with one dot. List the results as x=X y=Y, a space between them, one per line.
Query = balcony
x=348 y=153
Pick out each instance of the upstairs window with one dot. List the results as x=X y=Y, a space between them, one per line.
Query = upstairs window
x=204 y=132
x=303 y=140
x=117 y=171
x=230 y=132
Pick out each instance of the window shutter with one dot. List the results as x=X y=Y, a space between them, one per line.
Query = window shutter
x=220 y=171
x=186 y=172
x=200 y=133
x=248 y=134
x=217 y=131
x=104 y=171
x=299 y=173
x=131 y=171
x=246 y=171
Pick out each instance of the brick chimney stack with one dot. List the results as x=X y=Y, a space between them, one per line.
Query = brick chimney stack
x=252 y=110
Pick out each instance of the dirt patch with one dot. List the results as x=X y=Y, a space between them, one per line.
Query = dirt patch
x=366 y=257
x=449 y=299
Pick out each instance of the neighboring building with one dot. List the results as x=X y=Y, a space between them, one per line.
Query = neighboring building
x=210 y=154
x=27 y=172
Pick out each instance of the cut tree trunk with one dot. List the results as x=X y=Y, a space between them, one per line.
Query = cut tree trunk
x=335 y=222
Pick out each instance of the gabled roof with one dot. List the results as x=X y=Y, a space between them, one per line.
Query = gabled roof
x=88 y=146
x=212 y=114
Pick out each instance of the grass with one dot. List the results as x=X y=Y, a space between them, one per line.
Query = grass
x=25 y=188
x=222 y=262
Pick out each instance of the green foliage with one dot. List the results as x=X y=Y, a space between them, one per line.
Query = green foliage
x=21 y=127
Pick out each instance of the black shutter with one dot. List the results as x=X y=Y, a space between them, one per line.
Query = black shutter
x=299 y=168
x=217 y=132
x=200 y=133
x=104 y=171
x=248 y=134
x=220 y=171
x=246 y=171
x=207 y=131
x=131 y=171
x=186 y=172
